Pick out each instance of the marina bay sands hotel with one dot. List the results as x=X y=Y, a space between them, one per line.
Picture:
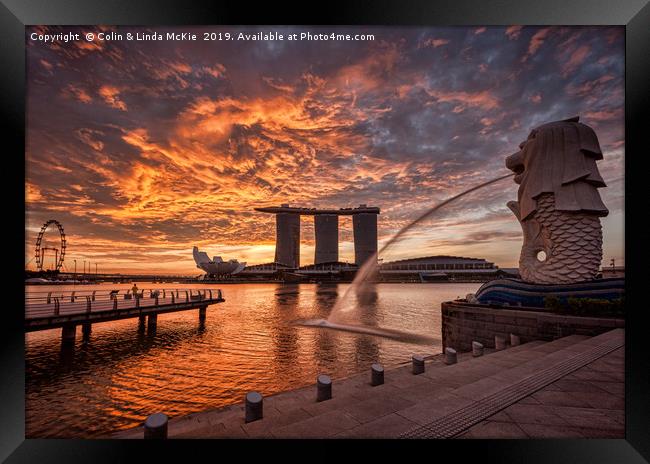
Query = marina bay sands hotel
x=326 y=227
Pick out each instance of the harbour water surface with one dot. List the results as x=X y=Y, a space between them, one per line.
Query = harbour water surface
x=119 y=376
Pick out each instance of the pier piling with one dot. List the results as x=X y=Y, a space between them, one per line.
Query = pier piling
x=202 y=313
x=152 y=320
x=323 y=388
x=418 y=364
x=254 y=407
x=86 y=329
x=376 y=374
x=68 y=333
x=155 y=427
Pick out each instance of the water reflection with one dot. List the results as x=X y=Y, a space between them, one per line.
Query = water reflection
x=286 y=341
x=119 y=376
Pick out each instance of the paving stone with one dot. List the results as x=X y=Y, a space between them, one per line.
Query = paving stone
x=588 y=374
x=321 y=426
x=337 y=402
x=424 y=392
x=426 y=411
x=389 y=426
x=206 y=431
x=262 y=428
x=559 y=398
x=288 y=402
x=588 y=402
x=407 y=380
x=550 y=431
x=488 y=429
x=590 y=418
x=533 y=414
x=528 y=400
x=375 y=408
x=573 y=386
x=500 y=417
x=605 y=433
x=602 y=400
x=616 y=388
x=480 y=389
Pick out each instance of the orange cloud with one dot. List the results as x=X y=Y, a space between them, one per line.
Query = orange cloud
x=604 y=115
x=217 y=70
x=73 y=91
x=111 y=95
x=196 y=146
x=536 y=41
x=576 y=59
x=588 y=87
x=483 y=99
x=435 y=43
x=513 y=32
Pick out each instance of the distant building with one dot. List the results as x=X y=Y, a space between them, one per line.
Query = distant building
x=264 y=269
x=335 y=267
x=326 y=231
x=432 y=268
x=613 y=271
x=216 y=267
x=334 y=270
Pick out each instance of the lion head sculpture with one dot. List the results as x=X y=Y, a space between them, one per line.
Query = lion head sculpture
x=559 y=205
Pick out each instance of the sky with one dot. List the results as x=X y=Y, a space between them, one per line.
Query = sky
x=143 y=149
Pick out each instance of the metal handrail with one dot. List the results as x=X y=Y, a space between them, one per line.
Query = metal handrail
x=55 y=305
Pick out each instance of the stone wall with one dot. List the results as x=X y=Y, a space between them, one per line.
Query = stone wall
x=463 y=323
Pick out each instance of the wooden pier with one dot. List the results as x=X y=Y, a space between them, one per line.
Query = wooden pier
x=66 y=310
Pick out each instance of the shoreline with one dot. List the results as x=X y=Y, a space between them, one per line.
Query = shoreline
x=539 y=389
x=137 y=431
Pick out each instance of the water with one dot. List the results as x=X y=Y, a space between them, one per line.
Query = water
x=345 y=315
x=250 y=342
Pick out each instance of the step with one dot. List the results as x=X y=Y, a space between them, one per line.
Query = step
x=479 y=400
x=383 y=414
x=346 y=392
x=357 y=400
x=356 y=407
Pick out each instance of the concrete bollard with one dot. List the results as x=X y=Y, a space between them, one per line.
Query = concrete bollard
x=451 y=357
x=499 y=342
x=477 y=349
x=323 y=388
x=156 y=426
x=376 y=375
x=418 y=364
x=514 y=340
x=254 y=407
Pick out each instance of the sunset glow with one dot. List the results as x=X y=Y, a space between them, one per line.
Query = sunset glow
x=145 y=149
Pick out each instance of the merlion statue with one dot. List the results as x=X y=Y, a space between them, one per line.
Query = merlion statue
x=559 y=206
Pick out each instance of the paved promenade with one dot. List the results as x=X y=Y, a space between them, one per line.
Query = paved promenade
x=571 y=387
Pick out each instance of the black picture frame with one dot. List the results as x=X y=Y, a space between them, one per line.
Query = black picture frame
x=16 y=14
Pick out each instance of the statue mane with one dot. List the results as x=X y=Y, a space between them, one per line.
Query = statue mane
x=559 y=158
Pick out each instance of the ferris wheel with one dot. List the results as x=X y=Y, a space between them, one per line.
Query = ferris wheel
x=59 y=253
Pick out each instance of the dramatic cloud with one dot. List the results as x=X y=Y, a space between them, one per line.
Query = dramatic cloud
x=144 y=149
x=513 y=32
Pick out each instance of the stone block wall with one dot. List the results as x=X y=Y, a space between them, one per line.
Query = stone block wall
x=463 y=323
